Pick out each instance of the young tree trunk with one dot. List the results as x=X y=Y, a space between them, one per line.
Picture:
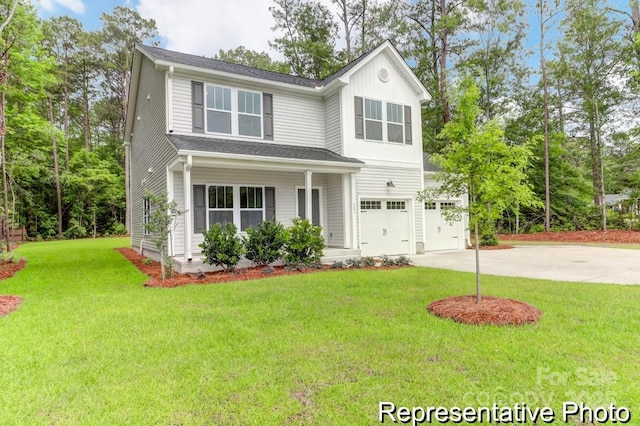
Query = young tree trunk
x=601 y=189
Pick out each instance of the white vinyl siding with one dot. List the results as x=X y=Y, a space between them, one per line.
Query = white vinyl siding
x=335 y=226
x=332 y=123
x=371 y=185
x=297 y=118
x=150 y=149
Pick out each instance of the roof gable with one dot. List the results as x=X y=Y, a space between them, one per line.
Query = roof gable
x=170 y=58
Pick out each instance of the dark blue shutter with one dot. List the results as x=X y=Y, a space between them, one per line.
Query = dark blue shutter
x=270 y=204
x=197 y=110
x=408 y=136
x=359 y=117
x=199 y=208
x=267 y=115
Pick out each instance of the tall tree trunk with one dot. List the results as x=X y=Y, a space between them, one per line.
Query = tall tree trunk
x=545 y=85
x=444 y=50
x=3 y=154
x=85 y=115
x=601 y=189
x=56 y=169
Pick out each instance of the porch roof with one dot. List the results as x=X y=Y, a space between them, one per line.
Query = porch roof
x=206 y=145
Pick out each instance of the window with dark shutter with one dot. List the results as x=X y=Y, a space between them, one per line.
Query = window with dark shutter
x=267 y=109
x=197 y=110
x=408 y=138
x=199 y=208
x=270 y=204
x=359 y=117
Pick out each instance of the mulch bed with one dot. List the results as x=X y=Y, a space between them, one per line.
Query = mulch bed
x=492 y=310
x=9 y=303
x=9 y=269
x=613 y=236
x=152 y=269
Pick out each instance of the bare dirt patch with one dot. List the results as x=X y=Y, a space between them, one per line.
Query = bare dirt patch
x=613 y=236
x=492 y=310
x=152 y=269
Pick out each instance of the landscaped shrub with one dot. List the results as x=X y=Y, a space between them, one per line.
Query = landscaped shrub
x=403 y=261
x=387 y=261
x=305 y=243
x=222 y=247
x=368 y=261
x=263 y=245
x=354 y=263
x=338 y=264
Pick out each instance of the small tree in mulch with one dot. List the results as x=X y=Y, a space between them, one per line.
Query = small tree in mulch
x=477 y=162
x=162 y=217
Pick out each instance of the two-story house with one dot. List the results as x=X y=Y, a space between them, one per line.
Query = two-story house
x=236 y=144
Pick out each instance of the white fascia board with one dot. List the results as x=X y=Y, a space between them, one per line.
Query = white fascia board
x=267 y=163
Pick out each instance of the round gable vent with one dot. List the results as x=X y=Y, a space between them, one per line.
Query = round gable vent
x=383 y=74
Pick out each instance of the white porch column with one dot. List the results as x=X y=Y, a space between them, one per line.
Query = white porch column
x=170 y=197
x=347 y=210
x=186 y=176
x=354 y=212
x=308 y=196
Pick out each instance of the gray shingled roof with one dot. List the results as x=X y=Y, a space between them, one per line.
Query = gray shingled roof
x=428 y=166
x=216 y=65
x=260 y=149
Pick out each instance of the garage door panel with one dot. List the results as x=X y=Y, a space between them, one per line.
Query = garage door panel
x=440 y=234
x=385 y=227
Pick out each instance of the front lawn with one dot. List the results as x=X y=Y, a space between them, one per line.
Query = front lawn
x=90 y=345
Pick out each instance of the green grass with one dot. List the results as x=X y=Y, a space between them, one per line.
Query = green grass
x=91 y=346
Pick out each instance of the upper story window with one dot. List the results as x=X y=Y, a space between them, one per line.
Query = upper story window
x=218 y=109
x=233 y=111
x=377 y=120
x=395 y=123
x=249 y=113
x=373 y=119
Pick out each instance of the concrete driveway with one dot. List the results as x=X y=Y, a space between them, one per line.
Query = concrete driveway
x=562 y=263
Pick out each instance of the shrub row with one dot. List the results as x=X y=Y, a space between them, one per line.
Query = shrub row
x=300 y=244
x=357 y=263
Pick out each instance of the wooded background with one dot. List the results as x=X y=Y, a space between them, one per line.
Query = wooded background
x=562 y=76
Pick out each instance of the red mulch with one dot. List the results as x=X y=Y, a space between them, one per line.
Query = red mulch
x=152 y=269
x=492 y=310
x=8 y=303
x=9 y=269
x=613 y=236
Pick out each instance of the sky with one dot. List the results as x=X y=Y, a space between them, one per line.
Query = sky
x=200 y=27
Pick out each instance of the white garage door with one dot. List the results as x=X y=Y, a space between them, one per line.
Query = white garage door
x=441 y=235
x=385 y=227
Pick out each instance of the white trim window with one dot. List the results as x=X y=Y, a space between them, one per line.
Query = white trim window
x=219 y=113
x=242 y=205
x=233 y=111
x=249 y=113
x=220 y=205
x=373 y=119
x=251 y=206
x=395 y=123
